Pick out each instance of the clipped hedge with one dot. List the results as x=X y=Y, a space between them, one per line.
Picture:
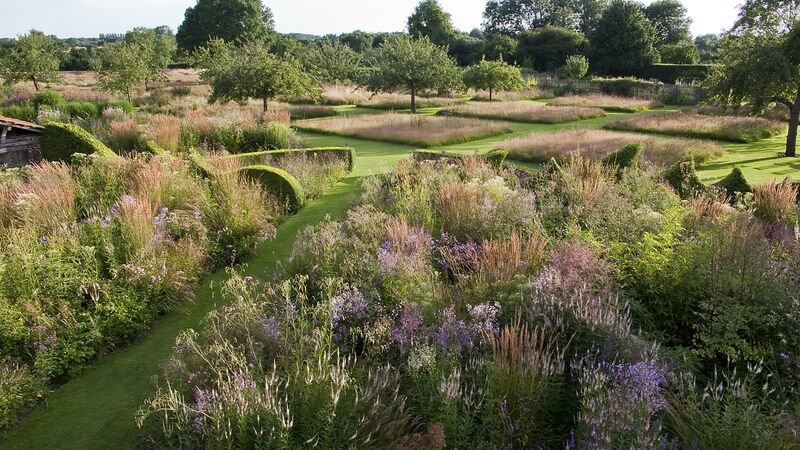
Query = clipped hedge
x=152 y=147
x=682 y=177
x=280 y=183
x=671 y=73
x=625 y=158
x=61 y=140
x=347 y=154
x=496 y=157
x=735 y=183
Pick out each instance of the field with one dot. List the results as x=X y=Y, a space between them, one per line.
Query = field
x=525 y=111
x=606 y=102
x=423 y=131
x=595 y=144
x=723 y=128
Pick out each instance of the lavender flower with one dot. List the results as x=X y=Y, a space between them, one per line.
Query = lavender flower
x=453 y=335
x=409 y=328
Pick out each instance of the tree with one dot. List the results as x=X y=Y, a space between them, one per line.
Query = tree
x=588 y=14
x=467 y=50
x=759 y=61
x=546 y=49
x=332 y=61
x=576 y=67
x=251 y=71
x=411 y=65
x=623 y=42
x=500 y=46
x=493 y=76
x=232 y=20
x=431 y=21
x=34 y=57
x=120 y=69
x=670 y=21
x=157 y=50
x=707 y=47
x=684 y=52
x=515 y=16
x=358 y=40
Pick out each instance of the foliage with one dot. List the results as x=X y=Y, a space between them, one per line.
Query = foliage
x=333 y=61
x=120 y=69
x=34 y=57
x=493 y=76
x=670 y=21
x=280 y=183
x=576 y=67
x=735 y=184
x=157 y=50
x=547 y=49
x=411 y=65
x=61 y=140
x=19 y=389
x=516 y=16
x=431 y=21
x=756 y=63
x=236 y=21
x=253 y=72
x=344 y=154
x=625 y=158
x=623 y=42
x=681 y=53
x=724 y=128
x=682 y=177
x=672 y=73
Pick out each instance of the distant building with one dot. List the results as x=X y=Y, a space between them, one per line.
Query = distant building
x=20 y=142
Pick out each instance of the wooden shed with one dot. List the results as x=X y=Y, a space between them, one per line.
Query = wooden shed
x=20 y=142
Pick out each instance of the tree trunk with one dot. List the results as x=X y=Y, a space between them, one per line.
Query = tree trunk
x=266 y=100
x=490 y=94
x=35 y=83
x=413 y=101
x=794 y=120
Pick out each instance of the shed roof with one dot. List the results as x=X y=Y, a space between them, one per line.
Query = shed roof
x=16 y=123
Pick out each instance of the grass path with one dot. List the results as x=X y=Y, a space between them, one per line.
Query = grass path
x=96 y=409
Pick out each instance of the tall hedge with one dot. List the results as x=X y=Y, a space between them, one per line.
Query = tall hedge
x=670 y=73
x=347 y=154
x=61 y=140
x=280 y=183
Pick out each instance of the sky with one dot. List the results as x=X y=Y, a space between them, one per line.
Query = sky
x=88 y=18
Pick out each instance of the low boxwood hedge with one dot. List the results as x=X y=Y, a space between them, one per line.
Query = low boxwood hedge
x=496 y=157
x=61 y=140
x=344 y=153
x=280 y=183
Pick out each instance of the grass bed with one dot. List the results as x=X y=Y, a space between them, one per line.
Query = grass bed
x=422 y=131
x=526 y=112
x=595 y=144
x=533 y=93
x=610 y=103
x=722 y=128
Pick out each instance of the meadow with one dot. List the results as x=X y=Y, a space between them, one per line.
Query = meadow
x=524 y=111
x=703 y=126
x=423 y=131
x=609 y=103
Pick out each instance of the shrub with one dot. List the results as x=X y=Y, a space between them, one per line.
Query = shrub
x=48 y=98
x=27 y=113
x=124 y=105
x=576 y=67
x=279 y=183
x=269 y=136
x=82 y=110
x=61 y=140
x=345 y=154
x=735 y=184
x=625 y=158
x=682 y=177
x=625 y=87
x=181 y=91
x=153 y=148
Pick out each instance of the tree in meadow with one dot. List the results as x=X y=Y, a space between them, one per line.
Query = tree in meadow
x=231 y=20
x=332 y=61
x=493 y=76
x=120 y=68
x=759 y=61
x=623 y=43
x=33 y=57
x=546 y=49
x=157 y=50
x=252 y=71
x=410 y=65
x=431 y=21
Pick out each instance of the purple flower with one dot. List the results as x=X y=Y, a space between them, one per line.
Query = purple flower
x=409 y=327
x=641 y=383
x=453 y=335
x=272 y=329
x=484 y=318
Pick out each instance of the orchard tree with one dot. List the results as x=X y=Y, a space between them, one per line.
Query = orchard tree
x=759 y=61
x=332 y=61
x=158 y=49
x=431 y=21
x=33 y=57
x=251 y=71
x=493 y=76
x=546 y=49
x=624 y=41
x=414 y=66
x=120 y=70
x=231 y=20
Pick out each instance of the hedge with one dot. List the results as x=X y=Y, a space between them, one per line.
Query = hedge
x=682 y=177
x=625 y=158
x=345 y=153
x=152 y=147
x=496 y=157
x=280 y=183
x=61 y=140
x=671 y=73
x=735 y=183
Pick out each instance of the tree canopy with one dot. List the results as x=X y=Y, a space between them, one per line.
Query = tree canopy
x=33 y=57
x=410 y=65
x=759 y=61
x=670 y=21
x=332 y=61
x=623 y=41
x=493 y=76
x=431 y=21
x=157 y=49
x=546 y=49
x=251 y=71
x=120 y=68
x=516 y=16
x=231 y=20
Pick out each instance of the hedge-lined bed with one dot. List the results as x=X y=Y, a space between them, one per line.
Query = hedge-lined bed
x=347 y=154
x=722 y=128
x=609 y=103
x=61 y=140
